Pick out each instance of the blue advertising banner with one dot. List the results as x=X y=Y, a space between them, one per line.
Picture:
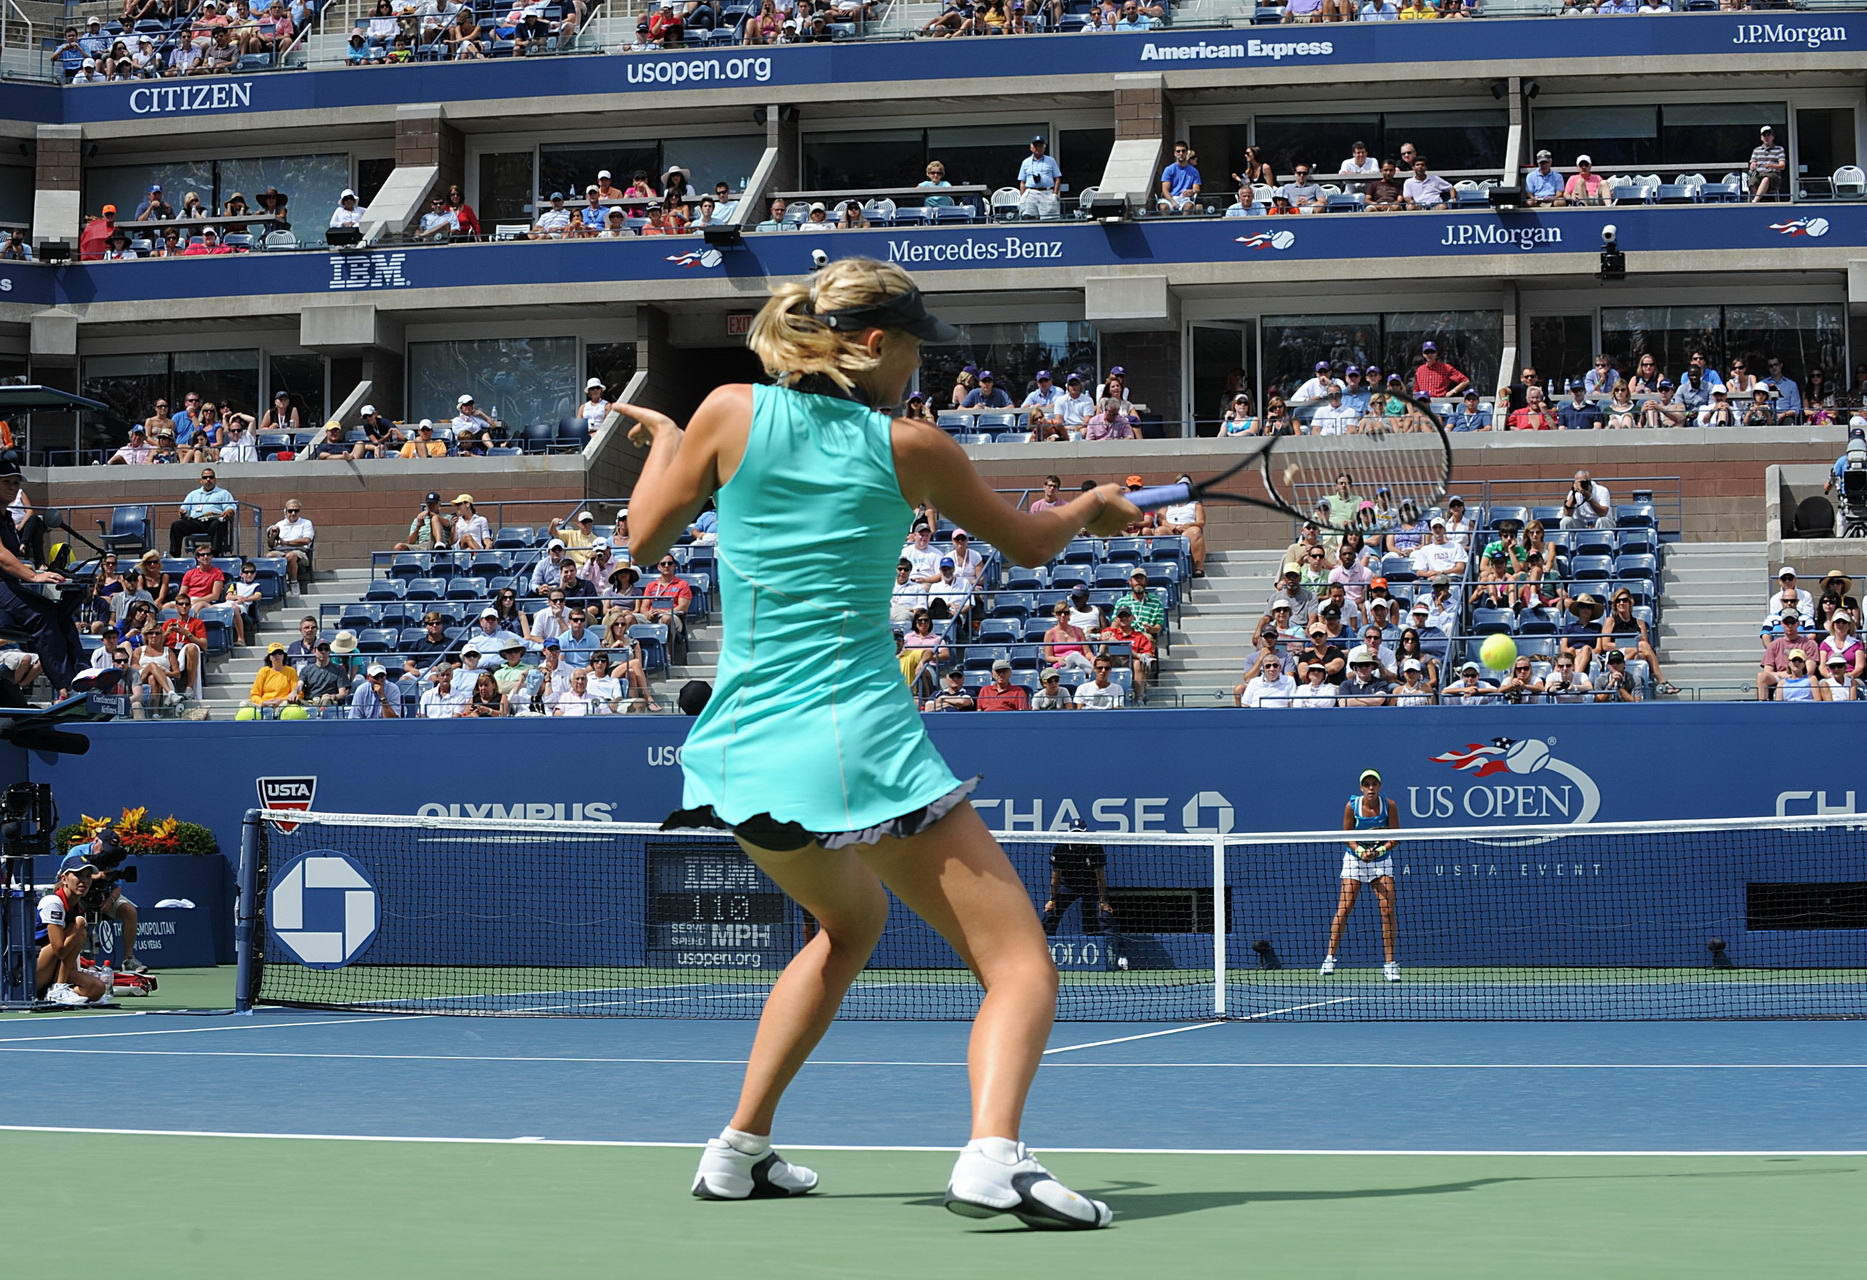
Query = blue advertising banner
x=27 y=284
x=1492 y=41
x=1074 y=246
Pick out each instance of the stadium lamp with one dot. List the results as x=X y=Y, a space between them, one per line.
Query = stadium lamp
x=1503 y=198
x=55 y=251
x=343 y=237
x=1108 y=209
x=726 y=237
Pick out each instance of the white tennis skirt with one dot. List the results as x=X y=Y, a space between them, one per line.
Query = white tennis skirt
x=1354 y=868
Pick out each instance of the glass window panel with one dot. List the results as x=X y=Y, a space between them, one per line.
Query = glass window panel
x=301 y=377
x=130 y=384
x=371 y=174
x=882 y=158
x=127 y=185
x=1448 y=139
x=710 y=160
x=1670 y=334
x=1716 y=137
x=1621 y=135
x=16 y=195
x=229 y=378
x=1471 y=341
x=1084 y=153
x=1293 y=345
x=991 y=155
x=1221 y=359
x=1561 y=347
x=506 y=189
x=1803 y=336
x=1318 y=141
x=310 y=184
x=570 y=167
x=515 y=380
x=1014 y=353
x=613 y=362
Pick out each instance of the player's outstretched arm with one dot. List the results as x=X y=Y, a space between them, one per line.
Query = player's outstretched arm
x=935 y=470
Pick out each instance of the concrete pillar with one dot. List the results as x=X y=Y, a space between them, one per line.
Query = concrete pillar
x=783 y=135
x=1151 y=358
x=423 y=137
x=1142 y=109
x=58 y=182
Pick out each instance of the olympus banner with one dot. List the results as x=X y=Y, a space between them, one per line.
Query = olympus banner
x=1499 y=44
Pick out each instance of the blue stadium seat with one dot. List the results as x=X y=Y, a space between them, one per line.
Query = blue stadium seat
x=426 y=589
x=354 y=617
x=1591 y=542
x=1066 y=576
x=1001 y=630
x=1550 y=516
x=1397 y=568
x=1081 y=551
x=218 y=619
x=376 y=640
x=1535 y=622
x=1640 y=542
x=408 y=637
x=1490 y=621
x=1036 y=625
x=1635 y=515
x=653 y=637
x=128 y=531
x=1592 y=568
x=270 y=573
x=1497 y=515
x=1026 y=657
x=1637 y=566
x=504 y=582
x=486 y=564
x=1019 y=578
x=971 y=437
x=385 y=589
x=1012 y=604
x=980 y=657
x=399 y=615
x=950 y=421
x=574 y=432
x=1112 y=575
x=1538 y=649
x=406 y=565
x=1128 y=550
x=996 y=422
x=955 y=213
x=466 y=587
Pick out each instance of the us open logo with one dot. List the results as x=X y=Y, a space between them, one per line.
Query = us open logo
x=1512 y=781
x=1278 y=240
x=323 y=909
x=287 y=793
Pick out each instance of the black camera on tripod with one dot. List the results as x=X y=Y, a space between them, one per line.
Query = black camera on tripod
x=1852 y=489
x=27 y=819
x=107 y=855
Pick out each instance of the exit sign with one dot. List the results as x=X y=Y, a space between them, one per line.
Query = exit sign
x=739 y=323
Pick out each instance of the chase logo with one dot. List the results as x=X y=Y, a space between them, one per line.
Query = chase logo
x=1279 y=240
x=1209 y=812
x=323 y=909
x=1511 y=781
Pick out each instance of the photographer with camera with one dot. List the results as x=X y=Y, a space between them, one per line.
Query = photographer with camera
x=105 y=856
x=24 y=601
x=1587 y=505
x=61 y=937
x=1847 y=480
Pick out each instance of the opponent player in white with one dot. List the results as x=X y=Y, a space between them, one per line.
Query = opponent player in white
x=1367 y=862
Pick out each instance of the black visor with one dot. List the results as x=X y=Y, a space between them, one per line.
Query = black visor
x=905 y=311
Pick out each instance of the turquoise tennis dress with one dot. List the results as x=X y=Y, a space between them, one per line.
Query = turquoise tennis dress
x=811 y=733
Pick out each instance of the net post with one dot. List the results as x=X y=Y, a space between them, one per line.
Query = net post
x=1219 y=922
x=246 y=913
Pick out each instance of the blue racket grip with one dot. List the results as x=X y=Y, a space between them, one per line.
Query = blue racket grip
x=1161 y=495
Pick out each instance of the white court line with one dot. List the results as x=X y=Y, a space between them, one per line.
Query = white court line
x=225 y=1026
x=1052 y=1066
x=795 y=1146
x=1146 y=1035
x=34 y=1020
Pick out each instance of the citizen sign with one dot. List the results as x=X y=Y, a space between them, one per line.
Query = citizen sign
x=368 y=271
x=1489 y=234
x=174 y=99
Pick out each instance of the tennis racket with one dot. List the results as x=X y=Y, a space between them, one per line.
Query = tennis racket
x=1408 y=454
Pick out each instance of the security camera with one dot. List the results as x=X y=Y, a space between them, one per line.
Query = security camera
x=1607 y=234
x=819 y=259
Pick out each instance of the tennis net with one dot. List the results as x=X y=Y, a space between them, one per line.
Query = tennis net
x=1734 y=918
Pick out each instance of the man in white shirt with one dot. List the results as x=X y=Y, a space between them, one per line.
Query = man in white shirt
x=1437 y=556
x=1271 y=687
x=1804 y=602
x=1100 y=693
x=1076 y=407
x=548 y=572
x=1045 y=402
x=909 y=596
x=1315 y=693
x=439 y=222
x=348 y=212
x=923 y=555
x=553 y=620
x=554 y=222
x=441 y=700
x=1333 y=418
x=1359 y=165
x=1317 y=388
x=1039 y=178
x=1587 y=505
x=489 y=640
x=293 y=538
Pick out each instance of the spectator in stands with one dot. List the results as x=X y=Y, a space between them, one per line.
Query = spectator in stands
x=578 y=536
x=1150 y=612
x=1769 y=167
x=470 y=530
x=331 y=445
x=1699 y=374
x=1566 y=684
x=1143 y=655
x=1578 y=632
x=208 y=510
x=275 y=682
x=1000 y=694
x=1385 y=193
x=160 y=585
x=1584 y=185
x=430 y=530
x=1109 y=422
x=1621 y=413
x=1543 y=185
x=137 y=452
x=1366 y=685
x=668 y=597
x=1615 y=685
x=1437 y=558
x=1578 y=413
x=952 y=696
x=424 y=445
x=667 y=220
x=320 y=682
x=243 y=593
x=908 y=596
x=1179 y=183
x=1424 y=190
x=1052 y=493
x=1351 y=572
x=488 y=643
x=378 y=697
x=549 y=569
x=95 y=238
x=485 y=698
x=1469 y=415
x=178 y=645
x=1184 y=520
x=302 y=650
x=1051 y=695
x=443 y=699
x=1270 y=687
x=1786 y=396
x=987 y=395
x=1740 y=382
x=553 y=222
x=1101 y=693
x=1789 y=592
x=1536 y=415
x=1303 y=194
x=1759 y=413
x=1469 y=687
x=1587 y=505
x=1836 y=683
x=237 y=442
x=1045 y=402
x=1602 y=377
x=205 y=583
x=1039 y=177
x=1621 y=630
x=1434 y=376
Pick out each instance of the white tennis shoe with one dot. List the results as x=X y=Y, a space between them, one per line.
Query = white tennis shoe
x=997 y=1175
x=729 y=1173
x=65 y=993
x=1328 y=966
x=1391 y=971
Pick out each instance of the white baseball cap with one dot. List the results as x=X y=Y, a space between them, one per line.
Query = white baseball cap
x=1411 y=664
x=348 y=194
x=368 y=409
x=602 y=173
x=594 y=382
x=489 y=613
x=1785 y=572
x=1360 y=653
x=376 y=669
x=556 y=544
x=464 y=399
x=584 y=515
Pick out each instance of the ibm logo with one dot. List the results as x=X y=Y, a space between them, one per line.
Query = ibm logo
x=368 y=271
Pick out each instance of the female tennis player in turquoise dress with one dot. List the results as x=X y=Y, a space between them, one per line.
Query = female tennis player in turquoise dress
x=811 y=751
x=1369 y=862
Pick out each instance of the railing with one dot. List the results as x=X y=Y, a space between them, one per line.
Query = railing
x=86 y=517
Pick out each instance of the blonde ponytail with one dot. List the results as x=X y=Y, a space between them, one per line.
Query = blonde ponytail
x=789 y=339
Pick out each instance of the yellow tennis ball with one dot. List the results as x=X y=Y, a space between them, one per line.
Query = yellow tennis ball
x=1498 y=652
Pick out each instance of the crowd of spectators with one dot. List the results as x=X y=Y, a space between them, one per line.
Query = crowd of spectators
x=403 y=31
x=1812 y=650
x=163 y=39
x=190 y=231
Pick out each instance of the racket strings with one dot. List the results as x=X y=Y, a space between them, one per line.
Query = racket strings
x=1410 y=466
